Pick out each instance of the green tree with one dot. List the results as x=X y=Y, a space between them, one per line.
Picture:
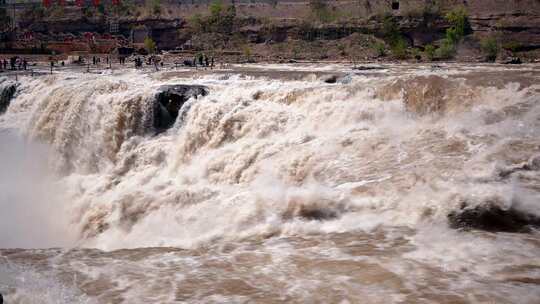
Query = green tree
x=429 y=50
x=399 y=49
x=390 y=30
x=216 y=8
x=394 y=37
x=458 y=18
x=490 y=47
x=150 y=45
x=446 y=50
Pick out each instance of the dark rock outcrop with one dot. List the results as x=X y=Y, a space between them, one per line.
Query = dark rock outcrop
x=7 y=91
x=330 y=79
x=513 y=60
x=490 y=216
x=169 y=101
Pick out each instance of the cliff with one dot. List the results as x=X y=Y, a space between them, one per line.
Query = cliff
x=352 y=30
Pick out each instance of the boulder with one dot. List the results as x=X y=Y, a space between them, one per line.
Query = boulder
x=491 y=216
x=513 y=60
x=330 y=79
x=7 y=91
x=368 y=68
x=169 y=101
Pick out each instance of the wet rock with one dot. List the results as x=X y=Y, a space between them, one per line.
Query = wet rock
x=7 y=91
x=311 y=212
x=330 y=79
x=492 y=217
x=318 y=214
x=169 y=101
x=513 y=60
x=368 y=68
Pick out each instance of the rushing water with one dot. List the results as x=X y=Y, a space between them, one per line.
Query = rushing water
x=275 y=187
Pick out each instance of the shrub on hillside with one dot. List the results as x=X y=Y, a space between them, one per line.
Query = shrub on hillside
x=429 y=51
x=399 y=49
x=446 y=50
x=490 y=47
x=458 y=18
x=511 y=46
x=150 y=45
x=220 y=19
x=390 y=30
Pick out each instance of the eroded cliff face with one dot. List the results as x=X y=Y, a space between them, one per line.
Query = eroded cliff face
x=515 y=23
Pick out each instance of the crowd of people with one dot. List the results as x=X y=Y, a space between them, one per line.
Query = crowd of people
x=203 y=61
x=199 y=60
x=15 y=63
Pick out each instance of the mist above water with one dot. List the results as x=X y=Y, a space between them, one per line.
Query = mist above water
x=34 y=213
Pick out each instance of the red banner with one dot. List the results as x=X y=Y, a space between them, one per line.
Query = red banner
x=79 y=2
x=96 y=2
x=47 y=3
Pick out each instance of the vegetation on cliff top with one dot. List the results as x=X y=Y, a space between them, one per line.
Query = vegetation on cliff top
x=325 y=30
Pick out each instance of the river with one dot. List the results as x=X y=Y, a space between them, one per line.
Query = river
x=285 y=183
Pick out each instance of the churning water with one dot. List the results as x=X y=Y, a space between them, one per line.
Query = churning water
x=275 y=187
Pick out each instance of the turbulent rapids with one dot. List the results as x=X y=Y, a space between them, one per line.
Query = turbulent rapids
x=267 y=184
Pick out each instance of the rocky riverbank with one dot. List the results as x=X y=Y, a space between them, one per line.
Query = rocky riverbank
x=468 y=31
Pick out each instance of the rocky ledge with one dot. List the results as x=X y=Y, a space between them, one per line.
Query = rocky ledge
x=7 y=91
x=170 y=100
x=491 y=216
